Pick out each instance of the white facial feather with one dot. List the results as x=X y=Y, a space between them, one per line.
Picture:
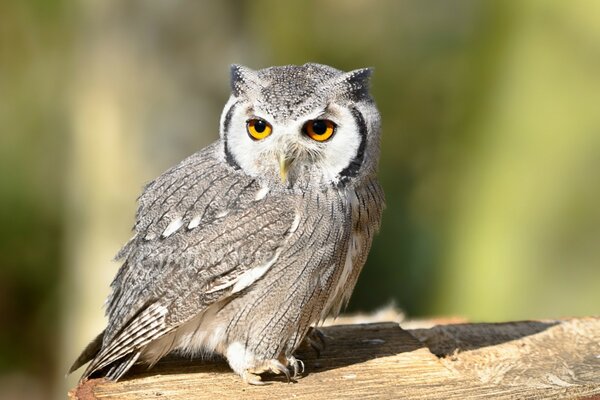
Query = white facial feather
x=342 y=147
x=259 y=158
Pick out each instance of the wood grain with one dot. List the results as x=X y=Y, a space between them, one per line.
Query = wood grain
x=515 y=360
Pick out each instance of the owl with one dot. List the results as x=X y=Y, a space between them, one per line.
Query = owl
x=242 y=247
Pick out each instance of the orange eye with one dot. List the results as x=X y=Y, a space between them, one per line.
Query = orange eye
x=319 y=129
x=258 y=128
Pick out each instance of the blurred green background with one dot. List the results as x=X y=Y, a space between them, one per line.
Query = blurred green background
x=490 y=161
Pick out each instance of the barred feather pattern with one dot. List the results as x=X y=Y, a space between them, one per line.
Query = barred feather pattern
x=226 y=259
x=165 y=282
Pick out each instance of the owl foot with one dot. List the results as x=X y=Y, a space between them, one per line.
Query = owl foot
x=296 y=365
x=316 y=340
x=252 y=378
x=250 y=367
x=252 y=375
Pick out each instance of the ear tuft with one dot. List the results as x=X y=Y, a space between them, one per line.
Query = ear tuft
x=356 y=83
x=241 y=79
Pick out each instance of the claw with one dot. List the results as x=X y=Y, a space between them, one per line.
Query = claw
x=250 y=368
x=252 y=375
x=297 y=366
x=279 y=368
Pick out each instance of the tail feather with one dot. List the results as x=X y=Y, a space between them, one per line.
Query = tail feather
x=119 y=368
x=115 y=355
x=91 y=350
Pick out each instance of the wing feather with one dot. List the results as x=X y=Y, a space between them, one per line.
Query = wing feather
x=224 y=238
x=149 y=325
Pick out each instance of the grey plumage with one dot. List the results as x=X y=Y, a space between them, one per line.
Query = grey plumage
x=241 y=247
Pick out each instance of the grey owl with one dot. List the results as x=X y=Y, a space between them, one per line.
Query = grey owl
x=239 y=249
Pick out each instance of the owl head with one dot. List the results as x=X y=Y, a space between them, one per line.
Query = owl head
x=294 y=126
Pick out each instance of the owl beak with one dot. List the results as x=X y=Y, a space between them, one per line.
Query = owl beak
x=284 y=166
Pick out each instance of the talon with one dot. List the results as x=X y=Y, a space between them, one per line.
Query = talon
x=296 y=365
x=285 y=371
x=250 y=369
x=277 y=367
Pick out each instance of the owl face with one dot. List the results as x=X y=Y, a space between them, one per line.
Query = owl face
x=300 y=125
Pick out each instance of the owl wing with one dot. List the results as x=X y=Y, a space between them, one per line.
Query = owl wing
x=204 y=232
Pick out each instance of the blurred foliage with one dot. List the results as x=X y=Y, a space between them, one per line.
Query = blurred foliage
x=491 y=141
x=34 y=39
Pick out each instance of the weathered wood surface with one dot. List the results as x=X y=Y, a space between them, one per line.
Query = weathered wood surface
x=515 y=360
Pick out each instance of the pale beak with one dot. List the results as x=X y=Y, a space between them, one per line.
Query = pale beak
x=284 y=166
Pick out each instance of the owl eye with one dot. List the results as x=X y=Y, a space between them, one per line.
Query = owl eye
x=258 y=128
x=319 y=129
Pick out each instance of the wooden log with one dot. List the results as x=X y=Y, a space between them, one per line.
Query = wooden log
x=514 y=360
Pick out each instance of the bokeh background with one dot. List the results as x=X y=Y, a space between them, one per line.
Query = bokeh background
x=490 y=161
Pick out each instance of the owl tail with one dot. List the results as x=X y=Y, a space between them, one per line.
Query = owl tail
x=88 y=353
